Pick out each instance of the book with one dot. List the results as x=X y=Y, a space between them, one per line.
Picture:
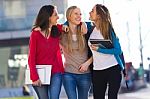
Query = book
x=102 y=43
x=44 y=72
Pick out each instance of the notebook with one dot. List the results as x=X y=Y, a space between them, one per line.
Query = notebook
x=44 y=72
x=102 y=43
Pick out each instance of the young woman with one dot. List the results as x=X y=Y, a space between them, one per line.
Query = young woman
x=77 y=76
x=44 y=50
x=107 y=63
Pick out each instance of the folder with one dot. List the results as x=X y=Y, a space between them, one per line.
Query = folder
x=44 y=72
x=103 y=43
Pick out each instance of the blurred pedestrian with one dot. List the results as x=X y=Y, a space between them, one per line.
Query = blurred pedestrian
x=25 y=90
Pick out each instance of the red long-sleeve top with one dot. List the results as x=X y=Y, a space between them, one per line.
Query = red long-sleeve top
x=44 y=51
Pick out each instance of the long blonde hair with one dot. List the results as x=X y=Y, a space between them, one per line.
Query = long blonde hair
x=104 y=21
x=80 y=36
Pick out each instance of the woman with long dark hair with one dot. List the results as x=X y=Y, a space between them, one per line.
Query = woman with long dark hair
x=44 y=50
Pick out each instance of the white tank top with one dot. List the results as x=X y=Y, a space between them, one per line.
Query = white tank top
x=101 y=61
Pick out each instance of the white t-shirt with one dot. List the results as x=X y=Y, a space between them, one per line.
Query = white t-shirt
x=101 y=61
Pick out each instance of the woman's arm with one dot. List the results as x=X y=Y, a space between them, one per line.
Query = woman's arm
x=84 y=67
x=59 y=26
x=83 y=27
x=32 y=57
x=115 y=50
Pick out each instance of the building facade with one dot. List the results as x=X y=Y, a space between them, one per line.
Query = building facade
x=16 y=20
x=129 y=17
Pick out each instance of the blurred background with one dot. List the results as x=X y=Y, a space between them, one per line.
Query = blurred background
x=130 y=19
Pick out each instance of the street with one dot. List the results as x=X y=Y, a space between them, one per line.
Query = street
x=140 y=94
x=143 y=93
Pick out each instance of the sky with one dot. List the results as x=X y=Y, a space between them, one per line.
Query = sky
x=125 y=16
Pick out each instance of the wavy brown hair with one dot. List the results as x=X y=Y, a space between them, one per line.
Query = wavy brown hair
x=104 y=21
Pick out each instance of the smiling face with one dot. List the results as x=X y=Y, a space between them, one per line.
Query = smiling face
x=93 y=14
x=74 y=15
x=53 y=19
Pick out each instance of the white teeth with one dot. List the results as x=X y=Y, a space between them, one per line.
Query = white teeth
x=78 y=19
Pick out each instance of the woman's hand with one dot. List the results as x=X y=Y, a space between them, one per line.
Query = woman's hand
x=37 y=29
x=83 y=28
x=37 y=83
x=94 y=47
x=65 y=28
x=84 y=67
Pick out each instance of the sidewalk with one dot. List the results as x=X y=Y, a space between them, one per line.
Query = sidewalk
x=17 y=93
x=88 y=98
x=139 y=94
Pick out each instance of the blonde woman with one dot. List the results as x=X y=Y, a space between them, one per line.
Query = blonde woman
x=77 y=76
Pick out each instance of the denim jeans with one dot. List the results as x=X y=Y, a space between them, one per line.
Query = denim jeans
x=55 y=86
x=77 y=85
x=41 y=91
x=51 y=91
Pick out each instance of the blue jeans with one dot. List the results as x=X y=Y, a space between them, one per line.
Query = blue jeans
x=55 y=86
x=51 y=91
x=77 y=85
x=41 y=91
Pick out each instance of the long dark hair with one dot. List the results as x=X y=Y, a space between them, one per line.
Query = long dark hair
x=105 y=20
x=42 y=20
